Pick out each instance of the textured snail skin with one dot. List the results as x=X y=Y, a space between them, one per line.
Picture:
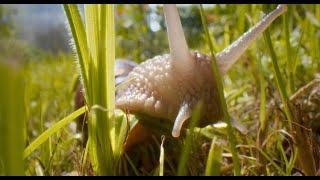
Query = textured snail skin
x=156 y=89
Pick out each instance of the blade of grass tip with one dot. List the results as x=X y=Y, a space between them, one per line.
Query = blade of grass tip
x=188 y=142
x=53 y=129
x=81 y=46
x=230 y=130
x=214 y=159
x=12 y=118
x=161 y=159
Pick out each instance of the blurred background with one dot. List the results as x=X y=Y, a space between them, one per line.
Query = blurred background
x=41 y=28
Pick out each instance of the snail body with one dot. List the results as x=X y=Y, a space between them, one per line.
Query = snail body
x=157 y=89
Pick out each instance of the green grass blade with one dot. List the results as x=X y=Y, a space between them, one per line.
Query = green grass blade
x=188 y=142
x=295 y=57
x=108 y=52
x=96 y=51
x=230 y=130
x=84 y=157
x=279 y=79
x=91 y=12
x=214 y=159
x=263 y=98
x=119 y=133
x=53 y=129
x=286 y=21
x=12 y=119
x=80 y=42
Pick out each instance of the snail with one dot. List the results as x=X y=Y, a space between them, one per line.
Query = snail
x=167 y=87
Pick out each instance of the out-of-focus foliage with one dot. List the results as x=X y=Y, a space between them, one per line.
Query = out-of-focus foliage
x=141 y=30
x=54 y=40
x=6 y=23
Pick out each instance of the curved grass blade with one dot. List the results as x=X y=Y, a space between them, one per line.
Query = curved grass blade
x=49 y=132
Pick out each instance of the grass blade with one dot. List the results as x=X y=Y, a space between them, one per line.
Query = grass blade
x=80 y=42
x=231 y=135
x=188 y=142
x=279 y=79
x=286 y=22
x=161 y=159
x=135 y=170
x=214 y=159
x=12 y=119
x=96 y=51
x=53 y=129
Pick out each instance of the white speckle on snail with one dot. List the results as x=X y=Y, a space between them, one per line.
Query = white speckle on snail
x=150 y=101
x=157 y=106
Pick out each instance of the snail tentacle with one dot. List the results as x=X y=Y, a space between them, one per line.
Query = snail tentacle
x=184 y=113
x=179 y=50
x=231 y=54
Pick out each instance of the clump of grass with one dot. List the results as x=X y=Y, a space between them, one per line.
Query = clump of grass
x=302 y=145
x=95 y=48
x=46 y=139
